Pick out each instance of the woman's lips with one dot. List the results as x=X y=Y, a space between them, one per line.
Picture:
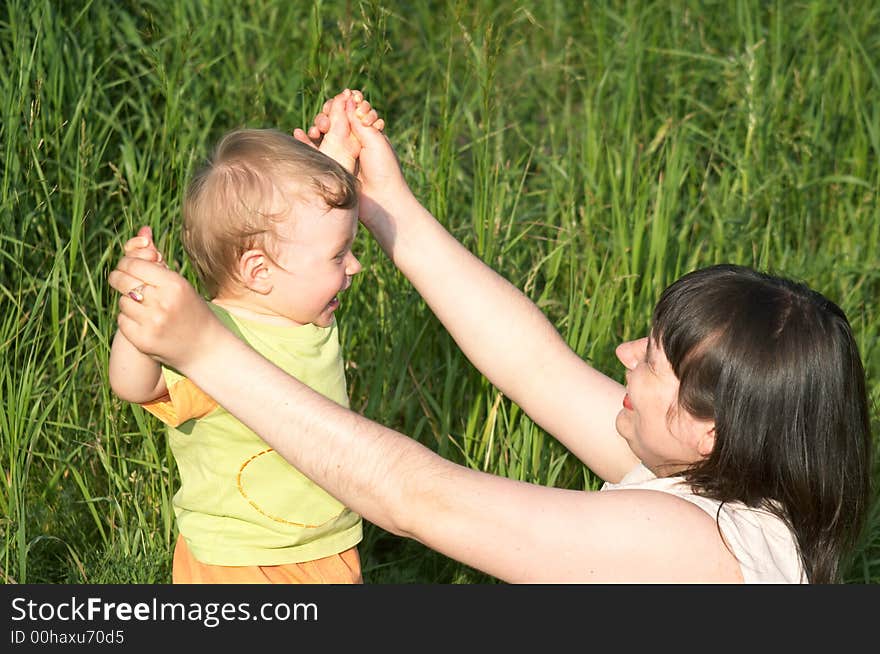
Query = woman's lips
x=627 y=403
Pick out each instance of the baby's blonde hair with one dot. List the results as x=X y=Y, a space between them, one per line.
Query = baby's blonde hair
x=228 y=206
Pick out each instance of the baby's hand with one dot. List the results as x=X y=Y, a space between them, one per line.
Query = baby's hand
x=363 y=111
x=331 y=130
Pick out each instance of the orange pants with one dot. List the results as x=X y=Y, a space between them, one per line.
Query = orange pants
x=342 y=568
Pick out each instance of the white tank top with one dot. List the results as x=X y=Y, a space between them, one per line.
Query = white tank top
x=762 y=543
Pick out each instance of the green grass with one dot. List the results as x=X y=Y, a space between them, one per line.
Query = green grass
x=590 y=152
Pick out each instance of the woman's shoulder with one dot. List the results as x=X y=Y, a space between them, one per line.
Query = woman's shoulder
x=762 y=543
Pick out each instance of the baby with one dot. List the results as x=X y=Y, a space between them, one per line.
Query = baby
x=269 y=223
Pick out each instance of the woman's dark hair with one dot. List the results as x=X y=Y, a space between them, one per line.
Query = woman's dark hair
x=775 y=365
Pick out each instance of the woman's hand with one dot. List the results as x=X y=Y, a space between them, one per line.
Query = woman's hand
x=166 y=319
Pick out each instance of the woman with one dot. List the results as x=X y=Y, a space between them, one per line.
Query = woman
x=739 y=449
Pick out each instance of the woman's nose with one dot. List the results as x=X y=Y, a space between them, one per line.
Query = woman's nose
x=631 y=352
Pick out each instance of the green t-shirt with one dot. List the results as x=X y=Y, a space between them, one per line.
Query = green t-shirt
x=239 y=502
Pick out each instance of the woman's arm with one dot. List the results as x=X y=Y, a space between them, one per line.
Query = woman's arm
x=512 y=343
x=498 y=328
x=515 y=531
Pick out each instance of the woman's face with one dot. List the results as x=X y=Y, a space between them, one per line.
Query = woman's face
x=663 y=435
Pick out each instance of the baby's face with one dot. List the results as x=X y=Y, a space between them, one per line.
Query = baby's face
x=314 y=262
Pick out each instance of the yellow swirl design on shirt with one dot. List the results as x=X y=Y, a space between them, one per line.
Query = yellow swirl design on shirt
x=259 y=509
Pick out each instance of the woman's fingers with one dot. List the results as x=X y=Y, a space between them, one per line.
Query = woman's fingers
x=303 y=137
x=144 y=272
x=322 y=121
x=123 y=282
x=168 y=319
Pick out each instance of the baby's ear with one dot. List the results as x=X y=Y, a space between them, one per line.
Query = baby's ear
x=254 y=272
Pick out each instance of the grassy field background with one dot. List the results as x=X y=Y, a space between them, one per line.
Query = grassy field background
x=591 y=152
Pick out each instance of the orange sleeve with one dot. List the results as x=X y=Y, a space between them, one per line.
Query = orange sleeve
x=183 y=401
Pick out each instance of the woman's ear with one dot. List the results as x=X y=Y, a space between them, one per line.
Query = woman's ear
x=706 y=442
x=255 y=272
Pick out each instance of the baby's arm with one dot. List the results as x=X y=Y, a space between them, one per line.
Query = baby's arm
x=134 y=376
